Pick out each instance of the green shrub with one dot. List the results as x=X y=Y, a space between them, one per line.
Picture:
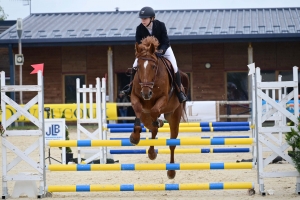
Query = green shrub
x=293 y=139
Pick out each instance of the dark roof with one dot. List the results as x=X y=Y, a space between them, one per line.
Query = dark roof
x=118 y=27
x=4 y=25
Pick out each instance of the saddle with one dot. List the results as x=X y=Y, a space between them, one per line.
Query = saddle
x=169 y=68
x=171 y=73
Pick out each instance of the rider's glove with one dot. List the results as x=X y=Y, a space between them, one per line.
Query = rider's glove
x=159 y=53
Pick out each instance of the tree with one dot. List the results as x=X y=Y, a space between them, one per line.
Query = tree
x=3 y=16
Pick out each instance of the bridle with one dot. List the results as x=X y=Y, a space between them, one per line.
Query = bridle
x=149 y=84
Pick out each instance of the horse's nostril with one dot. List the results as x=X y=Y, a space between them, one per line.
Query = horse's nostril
x=150 y=93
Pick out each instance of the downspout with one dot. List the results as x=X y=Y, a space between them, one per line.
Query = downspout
x=110 y=77
x=11 y=70
x=250 y=60
x=110 y=74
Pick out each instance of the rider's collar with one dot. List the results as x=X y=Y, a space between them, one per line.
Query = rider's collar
x=150 y=25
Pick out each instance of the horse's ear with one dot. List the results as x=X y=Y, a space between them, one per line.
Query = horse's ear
x=137 y=49
x=152 y=48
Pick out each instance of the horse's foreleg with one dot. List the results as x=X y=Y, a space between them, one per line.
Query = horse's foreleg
x=156 y=123
x=174 y=121
x=151 y=152
x=136 y=134
x=156 y=109
x=172 y=173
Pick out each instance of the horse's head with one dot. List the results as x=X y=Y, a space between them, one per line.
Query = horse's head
x=147 y=68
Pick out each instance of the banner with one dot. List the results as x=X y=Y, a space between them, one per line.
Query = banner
x=197 y=111
x=200 y=111
x=67 y=111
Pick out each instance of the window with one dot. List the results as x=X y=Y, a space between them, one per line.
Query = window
x=267 y=75
x=237 y=86
x=288 y=76
x=70 y=87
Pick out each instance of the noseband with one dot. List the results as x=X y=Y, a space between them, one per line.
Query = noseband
x=150 y=84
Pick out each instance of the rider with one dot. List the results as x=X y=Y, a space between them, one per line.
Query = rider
x=152 y=27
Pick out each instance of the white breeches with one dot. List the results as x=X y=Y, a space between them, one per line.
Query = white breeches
x=168 y=55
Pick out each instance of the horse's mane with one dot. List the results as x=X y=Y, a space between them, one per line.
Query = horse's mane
x=145 y=44
x=150 y=40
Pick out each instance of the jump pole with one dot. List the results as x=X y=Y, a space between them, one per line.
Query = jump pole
x=202 y=137
x=183 y=151
x=151 y=187
x=154 y=142
x=156 y=166
x=186 y=129
x=192 y=124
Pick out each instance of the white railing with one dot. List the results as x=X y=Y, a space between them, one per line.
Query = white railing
x=99 y=119
x=270 y=138
x=8 y=146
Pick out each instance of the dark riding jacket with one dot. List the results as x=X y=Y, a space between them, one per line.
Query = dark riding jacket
x=158 y=30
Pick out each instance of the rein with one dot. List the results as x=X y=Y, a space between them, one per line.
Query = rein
x=150 y=84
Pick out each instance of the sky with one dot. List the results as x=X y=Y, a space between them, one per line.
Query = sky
x=18 y=8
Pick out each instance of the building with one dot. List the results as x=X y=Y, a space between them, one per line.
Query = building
x=213 y=46
x=4 y=56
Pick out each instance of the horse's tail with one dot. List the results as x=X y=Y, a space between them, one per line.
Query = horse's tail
x=185 y=83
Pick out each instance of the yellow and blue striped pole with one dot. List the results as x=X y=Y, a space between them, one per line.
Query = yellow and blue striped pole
x=184 y=124
x=182 y=151
x=151 y=142
x=150 y=187
x=196 y=137
x=186 y=129
x=156 y=166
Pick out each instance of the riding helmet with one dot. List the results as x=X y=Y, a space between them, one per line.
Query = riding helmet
x=146 y=12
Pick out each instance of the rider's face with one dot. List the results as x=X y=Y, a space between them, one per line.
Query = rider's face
x=145 y=21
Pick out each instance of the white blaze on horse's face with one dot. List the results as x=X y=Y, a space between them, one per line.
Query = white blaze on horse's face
x=146 y=85
x=145 y=66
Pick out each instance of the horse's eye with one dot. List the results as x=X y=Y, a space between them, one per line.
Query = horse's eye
x=153 y=66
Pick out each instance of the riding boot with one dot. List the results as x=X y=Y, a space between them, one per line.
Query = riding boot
x=128 y=90
x=181 y=96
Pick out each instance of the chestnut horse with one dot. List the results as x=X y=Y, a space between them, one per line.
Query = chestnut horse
x=154 y=93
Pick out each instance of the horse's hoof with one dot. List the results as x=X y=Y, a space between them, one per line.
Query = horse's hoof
x=133 y=141
x=152 y=156
x=161 y=123
x=171 y=174
x=158 y=123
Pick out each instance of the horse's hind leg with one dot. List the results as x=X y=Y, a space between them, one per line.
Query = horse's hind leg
x=174 y=120
x=151 y=152
x=172 y=173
